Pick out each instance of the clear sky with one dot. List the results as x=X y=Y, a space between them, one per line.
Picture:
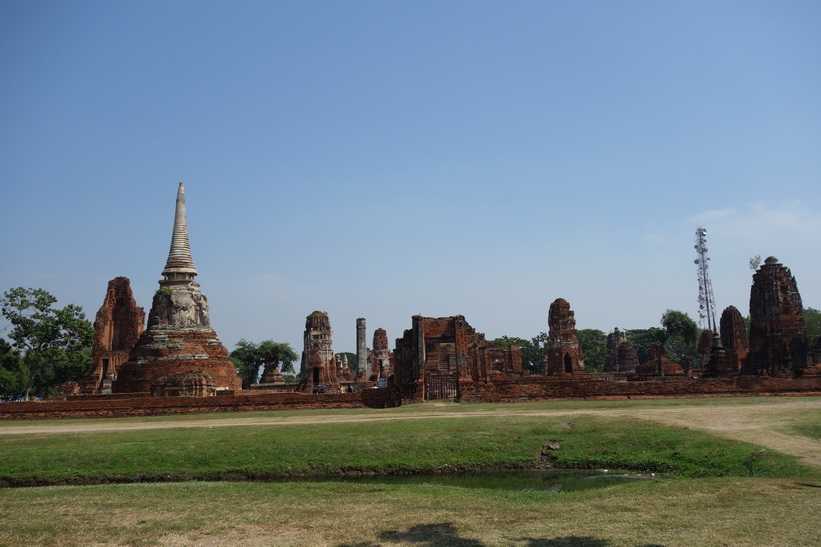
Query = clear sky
x=382 y=159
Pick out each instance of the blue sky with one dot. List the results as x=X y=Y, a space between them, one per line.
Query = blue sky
x=381 y=159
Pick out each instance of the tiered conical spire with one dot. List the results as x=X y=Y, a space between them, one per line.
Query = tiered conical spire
x=180 y=265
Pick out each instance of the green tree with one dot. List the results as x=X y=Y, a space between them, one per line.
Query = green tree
x=594 y=345
x=641 y=340
x=248 y=357
x=812 y=318
x=12 y=373
x=52 y=343
x=533 y=350
x=679 y=336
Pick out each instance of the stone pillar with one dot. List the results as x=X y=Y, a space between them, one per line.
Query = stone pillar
x=361 y=350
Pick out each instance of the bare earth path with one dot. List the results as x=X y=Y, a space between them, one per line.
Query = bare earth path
x=757 y=423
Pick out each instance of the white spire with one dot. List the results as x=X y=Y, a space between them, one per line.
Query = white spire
x=180 y=265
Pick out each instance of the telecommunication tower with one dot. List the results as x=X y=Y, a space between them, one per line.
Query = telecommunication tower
x=706 y=300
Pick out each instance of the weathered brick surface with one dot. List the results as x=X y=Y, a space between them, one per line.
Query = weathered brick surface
x=144 y=405
x=117 y=327
x=564 y=354
x=779 y=345
x=734 y=337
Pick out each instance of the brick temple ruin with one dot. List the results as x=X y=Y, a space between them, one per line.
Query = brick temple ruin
x=319 y=365
x=179 y=353
x=564 y=354
x=779 y=344
x=117 y=327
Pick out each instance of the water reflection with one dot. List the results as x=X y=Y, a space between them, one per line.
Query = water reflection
x=533 y=480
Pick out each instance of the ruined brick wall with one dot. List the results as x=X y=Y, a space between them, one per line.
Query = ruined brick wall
x=657 y=365
x=450 y=347
x=564 y=354
x=145 y=405
x=734 y=337
x=117 y=327
x=779 y=345
x=382 y=356
x=704 y=349
x=622 y=356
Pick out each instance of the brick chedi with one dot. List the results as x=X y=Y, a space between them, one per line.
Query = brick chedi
x=779 y=345
x=718 y=366
x=319 y=366
x=704 y=348
x=382 y=366
x=734 y=338
x=117 y=327
x=564 y=354
x=179 y=338
x=622 y=355
x=658 y=365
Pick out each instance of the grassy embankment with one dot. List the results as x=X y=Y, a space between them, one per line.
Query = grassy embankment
x=750 y=498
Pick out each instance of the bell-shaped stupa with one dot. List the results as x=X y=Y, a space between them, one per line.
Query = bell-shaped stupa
x=179 y=341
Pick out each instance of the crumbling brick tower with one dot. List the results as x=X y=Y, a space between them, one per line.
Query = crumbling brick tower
x=382 y=356
x=319 y=366
x=564 y=355
x=117 y=327
x=779 y=345
x=734 y=337
x=179 y=338
x=622 y=355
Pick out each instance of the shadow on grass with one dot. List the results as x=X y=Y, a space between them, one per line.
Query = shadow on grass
x=447 y=534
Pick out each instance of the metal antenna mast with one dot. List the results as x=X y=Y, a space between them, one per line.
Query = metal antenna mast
x=706 y=300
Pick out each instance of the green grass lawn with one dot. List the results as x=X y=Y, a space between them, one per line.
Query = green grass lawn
x=714 y=490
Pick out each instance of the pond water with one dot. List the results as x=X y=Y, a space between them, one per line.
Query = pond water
x=532 y=480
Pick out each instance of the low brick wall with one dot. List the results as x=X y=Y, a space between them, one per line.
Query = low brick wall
x=540 y=388
x=500 y=390
x=121 y=405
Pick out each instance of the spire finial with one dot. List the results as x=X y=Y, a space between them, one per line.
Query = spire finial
x=180 y=266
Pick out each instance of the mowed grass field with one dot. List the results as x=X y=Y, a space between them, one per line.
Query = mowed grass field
x=730 y=471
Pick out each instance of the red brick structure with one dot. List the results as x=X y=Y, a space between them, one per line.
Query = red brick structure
x=319 y=366
x=445 y=358
x=704 y=348
x=658 y=365
x=622 y=356
x=381 y=355
x=179 y=338
x=719 y=365
x=779 y=345
x=564 y=355
x=117 y=327
x=734 y=337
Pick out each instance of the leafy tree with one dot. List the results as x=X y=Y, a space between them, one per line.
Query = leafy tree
x=641 y=340
x=533 y=350
x=12 y=373
x=53 y=344
x=594 y=345
x=812 y=318
x=755 y=262
x=249 y=357
x=679 y=336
